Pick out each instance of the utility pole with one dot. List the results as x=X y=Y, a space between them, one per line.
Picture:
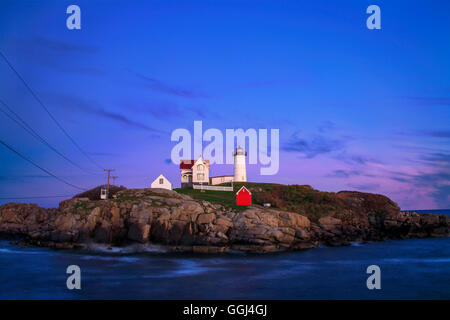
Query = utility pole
x=109 y=173
x=114 y=180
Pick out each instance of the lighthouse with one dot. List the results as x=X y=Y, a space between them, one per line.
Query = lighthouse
x=240 y=173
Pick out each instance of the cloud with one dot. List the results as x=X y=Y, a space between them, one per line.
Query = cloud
x=344 y=173
x=55 y=54
x=83 y=105
x=442 y=195
x=365 y=187
x=327 y=140
x=63 y=47
x=354 y=158
x=162 y=111
x=318 y=144
x=159 y=86
x=439 y=182
x=425 y=133
x=420 y=149
x=437 y=133
x=428 y=101
x=107 y=154
x=433 y=176
x=327 y=126
x=437 y=157
x=399 y=179
x=120 y=118
x=168 y=110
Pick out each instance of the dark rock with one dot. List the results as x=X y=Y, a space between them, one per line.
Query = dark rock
x=175 y=220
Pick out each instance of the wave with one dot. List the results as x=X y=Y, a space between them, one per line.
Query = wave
x=286 y=271
x=356 y=244
x=4 y=250
x=110 y=258
x=188 y=268
x=129 y=249
x=417 y=260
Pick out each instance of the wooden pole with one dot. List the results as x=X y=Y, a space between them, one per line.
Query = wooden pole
x=109 y=173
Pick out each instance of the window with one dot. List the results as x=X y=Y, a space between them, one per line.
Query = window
x=200 y=176
x=200 y=167
x=161 y=181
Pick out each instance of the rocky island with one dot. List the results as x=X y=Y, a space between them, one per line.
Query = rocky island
x=299 y=218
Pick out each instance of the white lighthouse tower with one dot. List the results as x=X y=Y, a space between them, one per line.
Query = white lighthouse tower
x=240 y=172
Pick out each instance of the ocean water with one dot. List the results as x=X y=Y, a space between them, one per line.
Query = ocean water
x=410 y=269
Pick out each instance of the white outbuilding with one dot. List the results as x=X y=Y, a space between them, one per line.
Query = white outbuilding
x=162 y=182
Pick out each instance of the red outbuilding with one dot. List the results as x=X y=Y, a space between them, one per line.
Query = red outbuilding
x=243 y=197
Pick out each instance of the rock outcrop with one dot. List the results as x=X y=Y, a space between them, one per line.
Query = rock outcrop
x=177 y=221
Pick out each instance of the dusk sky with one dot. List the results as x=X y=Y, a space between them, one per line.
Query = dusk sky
x=357 y=109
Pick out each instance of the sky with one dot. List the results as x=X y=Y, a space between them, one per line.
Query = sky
x=357 y=109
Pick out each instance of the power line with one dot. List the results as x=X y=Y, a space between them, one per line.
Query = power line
x=34 y=197
x=22 y=123
x=48 y=112
x=36 y=165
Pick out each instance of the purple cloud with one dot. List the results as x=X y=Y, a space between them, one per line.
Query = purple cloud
x=159 y=86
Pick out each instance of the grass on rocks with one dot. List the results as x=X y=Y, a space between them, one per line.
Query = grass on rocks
x=294 y=198
x=225 y=198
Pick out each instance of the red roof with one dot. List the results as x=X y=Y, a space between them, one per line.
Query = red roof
x=243 y=188
x=187 y=164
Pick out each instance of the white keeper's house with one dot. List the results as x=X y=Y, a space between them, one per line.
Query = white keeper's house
x=194 y=172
